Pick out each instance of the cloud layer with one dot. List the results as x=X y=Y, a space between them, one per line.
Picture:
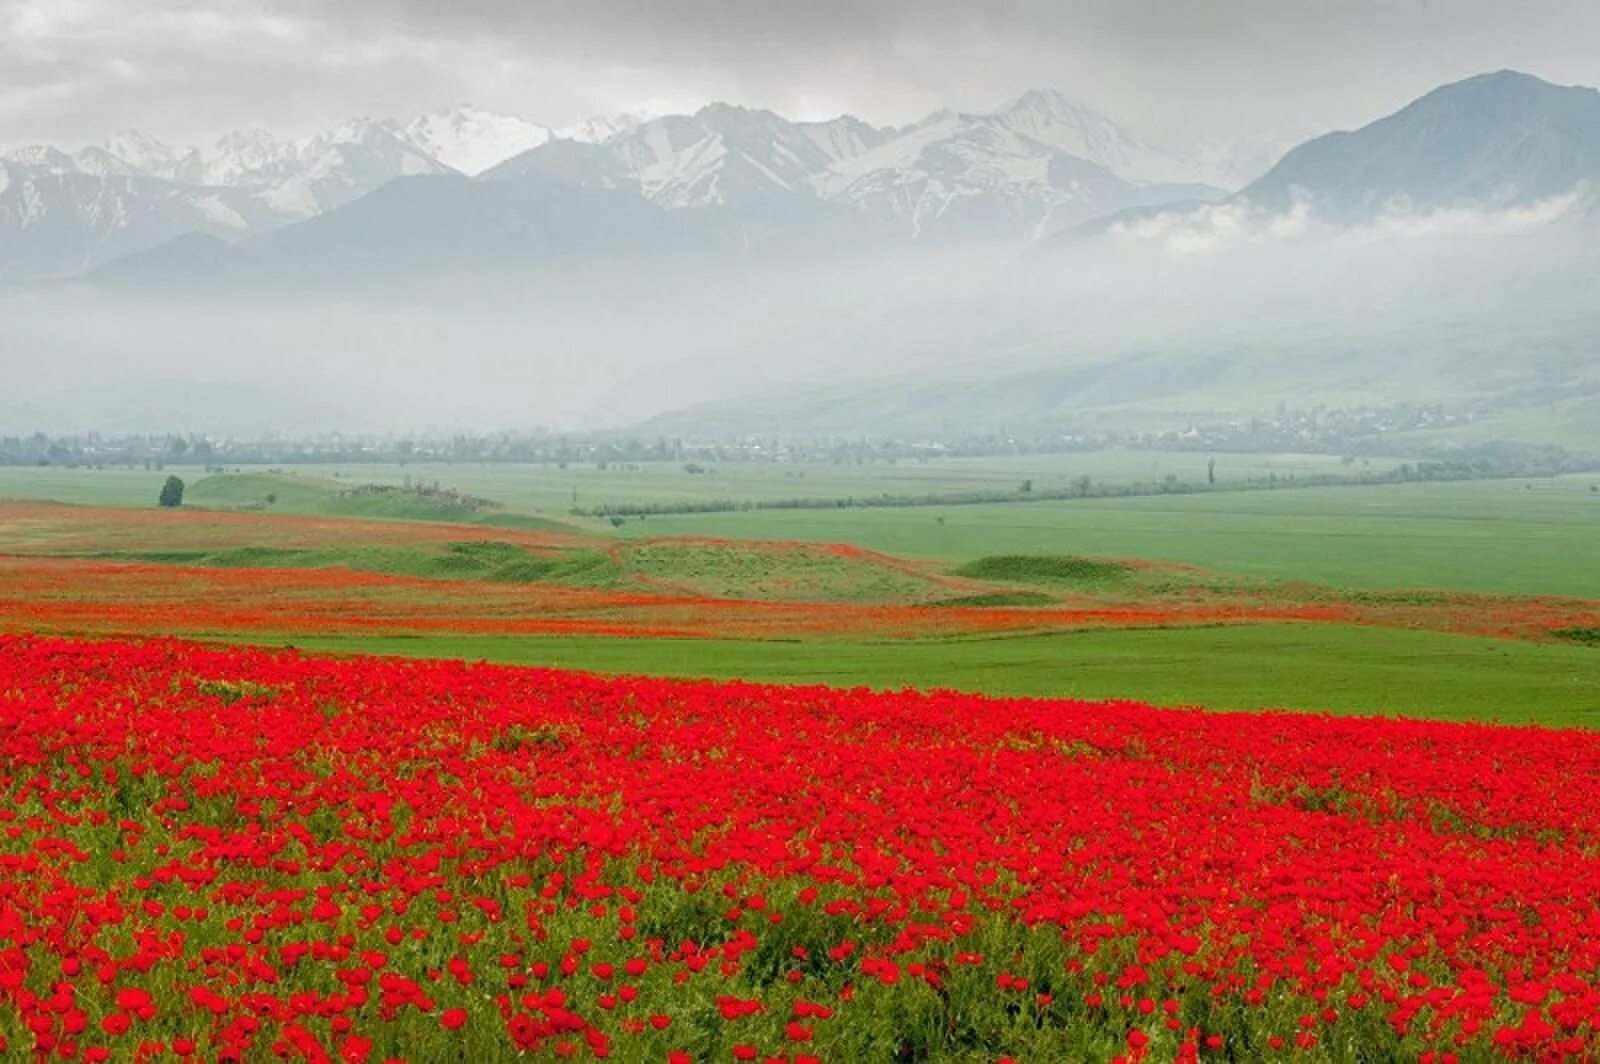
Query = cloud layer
x=1218 y=228
x=78 y=69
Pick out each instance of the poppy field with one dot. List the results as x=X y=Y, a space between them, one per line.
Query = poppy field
x=242 y=854
x=204 y=573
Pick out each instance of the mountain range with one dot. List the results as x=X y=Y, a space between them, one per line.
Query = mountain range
x=63 y=213
x=1498 y=140
x=1036 y=166
x=1036 y=266
x=1441 y=254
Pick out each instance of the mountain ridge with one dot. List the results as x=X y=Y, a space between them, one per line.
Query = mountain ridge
x=250 y=182
x=1502 y=138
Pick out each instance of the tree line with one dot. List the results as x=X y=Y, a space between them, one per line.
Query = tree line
x=1504 y=464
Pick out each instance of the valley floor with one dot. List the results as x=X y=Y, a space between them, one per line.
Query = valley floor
x=329 y=822
x=1467 y=601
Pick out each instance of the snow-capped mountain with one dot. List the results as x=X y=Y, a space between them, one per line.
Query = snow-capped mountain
x=1049 y=117
x=602 y=128
x=63 y=213
x=300 y=177
x=472 y=140
x=721 y=154
x=247 y=157
x=153 y=158
x=43 y=159
x=469 y=139
x=725 y=154
x=845 y=137
x=954 y=174
x=333 y=168
x=1038 y=164
x=59 y=221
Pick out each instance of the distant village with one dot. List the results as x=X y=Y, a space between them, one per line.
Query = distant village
x=1357 y=432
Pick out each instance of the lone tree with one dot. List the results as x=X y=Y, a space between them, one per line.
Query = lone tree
x=172 y=492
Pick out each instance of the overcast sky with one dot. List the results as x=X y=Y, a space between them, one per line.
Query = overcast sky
x=75 y=70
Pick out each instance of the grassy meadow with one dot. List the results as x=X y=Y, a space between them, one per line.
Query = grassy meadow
x=551 y=490
x=1338 y=669
x=1262 y=558
x=1534 y=537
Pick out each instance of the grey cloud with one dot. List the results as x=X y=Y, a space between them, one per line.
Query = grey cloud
x=1226 y=68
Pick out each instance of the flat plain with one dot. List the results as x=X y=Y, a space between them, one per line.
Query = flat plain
x=1463 y=600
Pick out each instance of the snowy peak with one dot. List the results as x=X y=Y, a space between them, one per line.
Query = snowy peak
x=238 y=156
x=61 y=213
x=954 y=174
x=721 y=154
x=152 y=157
x=1052 y=118
x=369 y=144
x=1041 y=163
x=336 y=167
x=471 y=140
x=845 y=137
x=296 y=178
x=101 y=163
x=600 y=129
x=61 y=223
x=42 y=158
x=1037 y=164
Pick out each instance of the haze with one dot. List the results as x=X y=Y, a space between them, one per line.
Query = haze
x=1022 y=192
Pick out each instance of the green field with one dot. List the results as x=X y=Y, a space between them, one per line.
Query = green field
x=553 y=491
x=1515 y=537
x=1290 y=666
x=87 y=487
x=1501 y=536
x=1510 y=537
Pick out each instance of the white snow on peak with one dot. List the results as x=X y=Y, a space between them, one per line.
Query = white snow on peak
x=1052 y=118
x=101 y=163
x=221 y=214
x=845 y=137
x=239 y=155
x=602 y=128
x=42 y=158
x=1014 y=170
x=153 y=157
x=471 y=140
x=724 y=154
x=1040 y=163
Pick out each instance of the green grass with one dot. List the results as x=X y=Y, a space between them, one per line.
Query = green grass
x=1508 y=536
x=792 y=573
x=552 y=491
x=1503 y=536
x=293 y=493
x=398 y=505
x=472 y=560
x=254 y=490
x=88 y=487
x=1518 y=537
x=795 y=574
x=1302 y=667
x=286 y=492
x=1045 y=569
